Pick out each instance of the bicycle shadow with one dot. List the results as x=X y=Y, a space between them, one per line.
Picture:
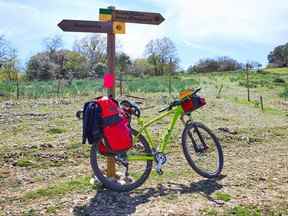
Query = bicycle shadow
x=112 y=203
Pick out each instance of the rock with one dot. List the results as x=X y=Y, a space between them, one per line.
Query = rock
x=46 y=145
x=4 y=173
x=262 y=179
x=227 y=130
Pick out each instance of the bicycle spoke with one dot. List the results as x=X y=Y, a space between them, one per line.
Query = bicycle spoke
x=129 y=173
x=202 y=150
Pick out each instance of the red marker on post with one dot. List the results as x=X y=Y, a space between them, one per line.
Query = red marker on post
x=109 y=80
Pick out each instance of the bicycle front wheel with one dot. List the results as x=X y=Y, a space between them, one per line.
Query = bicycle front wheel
x=202 y=150
x=129 y=174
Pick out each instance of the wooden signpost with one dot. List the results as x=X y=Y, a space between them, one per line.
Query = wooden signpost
x=137 y=17
x=112 y=22
x=86 y=26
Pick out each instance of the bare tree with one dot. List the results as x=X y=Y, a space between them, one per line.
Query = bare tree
x=160 y=53
x=94 y=49
x=5 y=50
x=52 y=44
x=152 y=52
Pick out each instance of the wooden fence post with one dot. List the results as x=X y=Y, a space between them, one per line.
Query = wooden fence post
x=247 y=82
x=261 y=103
x=170 y=75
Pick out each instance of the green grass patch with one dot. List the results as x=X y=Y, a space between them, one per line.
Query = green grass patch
x=78 y=184
x=244 y=211
x=256 y=104
x=160 y=84
x=52 y=210
x=56 y=130
x=222 y=196
x=209 y=212
x=24 y=163
x=284 y=93
x=283 y=70
x=75 y=145
x=30 y=212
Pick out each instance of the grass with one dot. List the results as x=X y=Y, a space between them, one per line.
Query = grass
x=256 y=104
x=222 y=196
x=209 y=212
x=61 y=129
x=30 y=212
x=52 y=210
x=77 y=184
x=47 y=89
x=244 y=211
x=24 y=163
x=277 y=70
x=56 y=130
x=284 y=93
x=269 y=78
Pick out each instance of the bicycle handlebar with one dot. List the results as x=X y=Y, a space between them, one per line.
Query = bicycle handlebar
x=196 y=91
x=177 y=102
x=133 y=107
x=171 y=105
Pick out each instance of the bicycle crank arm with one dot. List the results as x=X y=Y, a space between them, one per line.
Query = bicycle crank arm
x=160 y=159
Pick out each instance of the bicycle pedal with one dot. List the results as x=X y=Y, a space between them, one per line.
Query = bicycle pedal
x=159 y=172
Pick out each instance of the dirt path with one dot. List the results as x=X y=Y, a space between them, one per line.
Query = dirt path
x=45 y=170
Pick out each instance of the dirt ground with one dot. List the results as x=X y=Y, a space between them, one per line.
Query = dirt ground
x=45 y=169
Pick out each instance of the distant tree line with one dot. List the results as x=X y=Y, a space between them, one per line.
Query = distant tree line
x=87 y=59
x=213 y=65
x=279 y=56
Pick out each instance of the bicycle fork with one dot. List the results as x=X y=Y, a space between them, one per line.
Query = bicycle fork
x=198 y=148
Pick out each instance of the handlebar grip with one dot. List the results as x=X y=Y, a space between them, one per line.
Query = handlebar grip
x=164 y=109
x=196 y=91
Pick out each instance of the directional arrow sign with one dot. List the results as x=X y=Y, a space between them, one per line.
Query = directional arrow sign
x=86 y=26
x=137 y=17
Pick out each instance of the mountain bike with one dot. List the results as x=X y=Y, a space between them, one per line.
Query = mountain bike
x=200 y=146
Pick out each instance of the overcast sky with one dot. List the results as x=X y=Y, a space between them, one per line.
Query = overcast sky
x=242 y=29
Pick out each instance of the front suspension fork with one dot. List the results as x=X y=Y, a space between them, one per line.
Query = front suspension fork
x=196 y=147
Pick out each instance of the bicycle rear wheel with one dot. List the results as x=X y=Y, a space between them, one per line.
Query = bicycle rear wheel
x=126 y=179
x=202 y=150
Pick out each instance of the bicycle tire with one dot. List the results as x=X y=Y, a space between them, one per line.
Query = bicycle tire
x=185 y=146
x=112 y=185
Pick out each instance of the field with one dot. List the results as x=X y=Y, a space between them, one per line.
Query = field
x=45 y=169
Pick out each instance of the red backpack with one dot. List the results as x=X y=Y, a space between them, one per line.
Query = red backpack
x=117 y=135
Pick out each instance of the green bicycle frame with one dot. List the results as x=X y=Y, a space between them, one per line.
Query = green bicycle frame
x=143 y=129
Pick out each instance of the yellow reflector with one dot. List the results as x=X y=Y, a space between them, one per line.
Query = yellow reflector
x=118 y=27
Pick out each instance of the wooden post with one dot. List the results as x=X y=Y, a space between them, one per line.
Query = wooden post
x=170 y=74
x=17 y=81
x=111 y=91
x=261 y=102
x=121 y=79
x=247 y=82
x=17 y=86
x=111 y=59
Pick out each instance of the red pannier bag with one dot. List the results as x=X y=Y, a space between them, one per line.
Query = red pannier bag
x=192 y=103
x=117 y=134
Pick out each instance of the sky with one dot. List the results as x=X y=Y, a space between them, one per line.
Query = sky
x=242 y=29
